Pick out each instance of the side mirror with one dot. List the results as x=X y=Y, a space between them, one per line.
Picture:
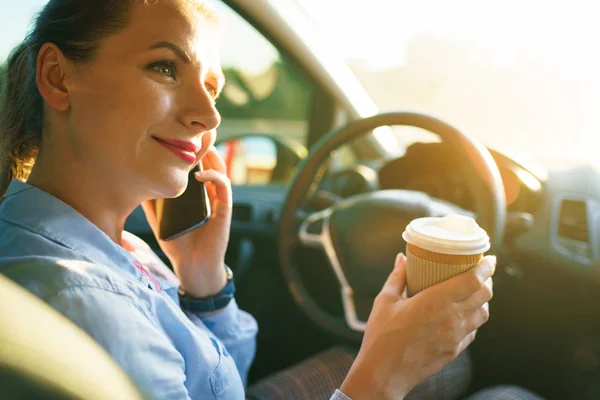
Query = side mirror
x=260 y=159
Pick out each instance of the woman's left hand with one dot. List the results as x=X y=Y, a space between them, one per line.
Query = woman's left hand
x=198 y=256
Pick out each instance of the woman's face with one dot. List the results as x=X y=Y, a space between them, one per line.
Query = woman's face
x=142 y=113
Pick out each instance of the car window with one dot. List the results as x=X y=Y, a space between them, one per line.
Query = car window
x=265 y=104
x=521 y=76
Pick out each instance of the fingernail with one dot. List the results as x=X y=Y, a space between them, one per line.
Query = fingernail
x=399 y=257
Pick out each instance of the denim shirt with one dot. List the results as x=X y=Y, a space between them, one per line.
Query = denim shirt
x=56 y=253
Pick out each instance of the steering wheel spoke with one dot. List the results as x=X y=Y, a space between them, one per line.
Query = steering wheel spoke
x=315 y=232
x=312 y=231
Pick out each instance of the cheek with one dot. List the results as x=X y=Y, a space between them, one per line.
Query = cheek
x=113 y=120
x=119 y=115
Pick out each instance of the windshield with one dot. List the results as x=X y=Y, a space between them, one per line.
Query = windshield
x=519 y=75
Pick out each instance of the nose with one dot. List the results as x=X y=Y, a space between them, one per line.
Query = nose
x=200 y=113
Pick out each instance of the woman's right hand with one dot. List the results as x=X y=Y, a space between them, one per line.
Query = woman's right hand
x=409 y=339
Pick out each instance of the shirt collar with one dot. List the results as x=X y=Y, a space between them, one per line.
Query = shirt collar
x=40 y=212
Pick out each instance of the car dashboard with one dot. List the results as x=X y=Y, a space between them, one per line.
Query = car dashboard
x=429 y=168
x=553 y=216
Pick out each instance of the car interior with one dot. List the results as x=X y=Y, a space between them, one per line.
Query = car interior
x=310 y=177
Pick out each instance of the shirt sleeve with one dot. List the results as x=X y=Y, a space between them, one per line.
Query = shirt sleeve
x=339 y=396
x=119 y=324
x=237 y=330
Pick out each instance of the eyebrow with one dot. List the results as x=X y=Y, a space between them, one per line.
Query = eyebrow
x=185 y=57
x=179 y=52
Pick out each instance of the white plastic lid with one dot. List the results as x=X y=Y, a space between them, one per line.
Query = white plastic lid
x=452 y=234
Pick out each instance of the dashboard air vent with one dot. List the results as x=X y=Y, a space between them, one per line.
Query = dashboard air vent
x=573 y=221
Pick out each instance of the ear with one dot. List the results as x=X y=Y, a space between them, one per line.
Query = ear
x=52 y=70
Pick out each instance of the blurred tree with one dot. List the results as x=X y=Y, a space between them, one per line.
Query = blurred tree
x=283 y=93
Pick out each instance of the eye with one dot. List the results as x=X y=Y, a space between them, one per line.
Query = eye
x=165 y=68
x=212 y=90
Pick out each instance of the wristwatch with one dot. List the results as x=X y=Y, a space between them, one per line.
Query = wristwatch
x=210 y=303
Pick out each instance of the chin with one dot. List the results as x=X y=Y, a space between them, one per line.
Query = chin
x=172 y=184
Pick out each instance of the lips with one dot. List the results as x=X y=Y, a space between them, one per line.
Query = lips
x=187 y=146
x=187 y=151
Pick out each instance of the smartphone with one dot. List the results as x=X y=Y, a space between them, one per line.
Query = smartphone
x=179 y=215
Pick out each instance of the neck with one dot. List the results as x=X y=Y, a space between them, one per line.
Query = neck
x=94 y=196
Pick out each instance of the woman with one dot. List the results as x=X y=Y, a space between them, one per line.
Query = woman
x=109 y=104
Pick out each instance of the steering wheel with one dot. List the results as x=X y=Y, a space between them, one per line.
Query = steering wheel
x=362 y=234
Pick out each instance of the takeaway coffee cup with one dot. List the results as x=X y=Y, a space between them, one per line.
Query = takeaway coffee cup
x=440 y=248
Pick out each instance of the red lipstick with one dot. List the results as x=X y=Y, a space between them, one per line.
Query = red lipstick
x=187 y=151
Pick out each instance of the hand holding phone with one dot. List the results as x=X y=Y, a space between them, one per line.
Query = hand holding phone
x=198 y=256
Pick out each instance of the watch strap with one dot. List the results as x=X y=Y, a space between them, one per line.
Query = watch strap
x=209 y=303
